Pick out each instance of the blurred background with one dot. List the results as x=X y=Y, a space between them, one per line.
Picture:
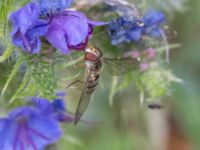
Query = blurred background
x=128 y=126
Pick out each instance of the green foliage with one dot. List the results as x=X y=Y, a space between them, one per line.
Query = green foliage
x=12 y=75
x=119 y=85
x=25 y=89
x=155 y=82
x=42 y=76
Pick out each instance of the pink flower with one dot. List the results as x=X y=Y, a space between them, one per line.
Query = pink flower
x=151 y=53
x=144 y=66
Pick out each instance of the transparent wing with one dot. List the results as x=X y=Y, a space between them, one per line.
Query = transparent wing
x=84 y=100
x=121 y=66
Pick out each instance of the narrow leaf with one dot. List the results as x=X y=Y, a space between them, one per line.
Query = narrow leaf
x=7 y=53
x=21 y=87
x=113 y=89
x=11 y=76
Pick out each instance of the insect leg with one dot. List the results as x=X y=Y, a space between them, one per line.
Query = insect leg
x=74 y=82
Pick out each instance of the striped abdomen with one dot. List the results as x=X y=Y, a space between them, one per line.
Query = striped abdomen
x=94 y=65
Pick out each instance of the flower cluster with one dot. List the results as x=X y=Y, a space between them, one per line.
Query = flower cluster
x=123 y=29
x=145 y=57
x=154 y=79
x=63 y=29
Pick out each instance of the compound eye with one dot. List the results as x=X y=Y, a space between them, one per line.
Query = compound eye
x=91 y=57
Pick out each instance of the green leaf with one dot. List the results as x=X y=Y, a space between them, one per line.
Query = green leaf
x=22 y=87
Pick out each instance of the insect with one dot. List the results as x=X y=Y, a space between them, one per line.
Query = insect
x=155 y=106
x=93 y=61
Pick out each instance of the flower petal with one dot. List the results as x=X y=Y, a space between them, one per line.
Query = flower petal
x=135 y=34
x=153 y=17
x=7 y=135
x=154 y=32
x=76 y=28
x=56 y=36
x=59 y=104
x=43 y=130
x=69 y=29
x=25 y=17
x=27 y=28
x=2 y=124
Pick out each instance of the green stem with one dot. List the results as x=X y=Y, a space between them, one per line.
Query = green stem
x=171 y=46
x=74 y=62
x=6 y=54
x=113 y=90
x=11 y=76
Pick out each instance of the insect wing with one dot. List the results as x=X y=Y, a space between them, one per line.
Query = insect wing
x=84 y=100
x=121 y=66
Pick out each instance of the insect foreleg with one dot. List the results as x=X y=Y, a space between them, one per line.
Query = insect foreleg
x=74 y=82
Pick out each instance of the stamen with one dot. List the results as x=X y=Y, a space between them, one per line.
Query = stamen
x=21 y=145
x=31 y=142
x=24 y=135
x=16 y=138
x=26 y=43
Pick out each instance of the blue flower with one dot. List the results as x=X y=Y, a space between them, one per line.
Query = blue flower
x=63 y=29
x=152 y=21
x=57 y=108
x=117 y=30
x=60 y=111
x=126 y=30
x=28 y=128
x=27 y=28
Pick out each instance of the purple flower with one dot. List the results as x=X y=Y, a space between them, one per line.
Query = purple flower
x=60 y=111
x=63 y=29
x=144 y=66
x=134 y=54
x=57 y=108
x=152 y=21
x=28 y=128
x=70 y=30
x=151 y=53
x=27 y=28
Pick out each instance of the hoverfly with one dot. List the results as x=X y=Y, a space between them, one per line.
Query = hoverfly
x=93 y=61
